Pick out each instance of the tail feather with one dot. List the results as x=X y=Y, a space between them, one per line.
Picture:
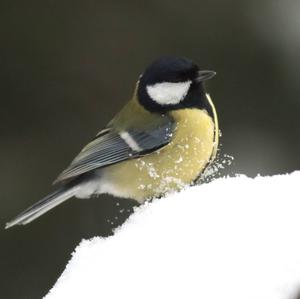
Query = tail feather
x=44 y=205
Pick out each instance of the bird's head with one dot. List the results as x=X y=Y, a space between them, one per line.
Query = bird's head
x=171 y=83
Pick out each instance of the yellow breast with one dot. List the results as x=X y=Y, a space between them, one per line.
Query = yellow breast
x=177 y=164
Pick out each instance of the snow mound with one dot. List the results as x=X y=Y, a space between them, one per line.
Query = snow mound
x=236 y=238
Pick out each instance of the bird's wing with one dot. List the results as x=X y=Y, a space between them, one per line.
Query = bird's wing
x=111 y=146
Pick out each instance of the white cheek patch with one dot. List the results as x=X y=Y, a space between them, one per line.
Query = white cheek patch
x=167 y=93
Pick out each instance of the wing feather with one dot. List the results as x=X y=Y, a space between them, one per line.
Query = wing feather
x=109 y=148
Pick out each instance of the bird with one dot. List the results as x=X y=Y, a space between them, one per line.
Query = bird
x=161 y=141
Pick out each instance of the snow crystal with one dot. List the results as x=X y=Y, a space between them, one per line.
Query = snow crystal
x=234 y=238
x=213 y=169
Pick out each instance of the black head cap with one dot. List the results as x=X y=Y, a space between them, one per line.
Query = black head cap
x=167 y=73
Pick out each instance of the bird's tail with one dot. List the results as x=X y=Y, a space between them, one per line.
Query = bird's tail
x=44 y=205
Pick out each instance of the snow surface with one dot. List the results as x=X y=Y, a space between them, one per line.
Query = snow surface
x=236 y=238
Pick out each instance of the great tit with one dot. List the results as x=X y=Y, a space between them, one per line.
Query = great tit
x=161 y=141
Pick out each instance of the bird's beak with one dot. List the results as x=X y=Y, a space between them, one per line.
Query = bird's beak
x=205 y=75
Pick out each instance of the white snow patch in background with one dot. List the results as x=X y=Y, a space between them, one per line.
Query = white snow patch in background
x=236 y=238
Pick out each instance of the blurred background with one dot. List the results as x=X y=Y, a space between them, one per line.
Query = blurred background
x=68 y=66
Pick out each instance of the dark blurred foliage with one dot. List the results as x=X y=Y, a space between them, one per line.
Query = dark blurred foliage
x=68 y=66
